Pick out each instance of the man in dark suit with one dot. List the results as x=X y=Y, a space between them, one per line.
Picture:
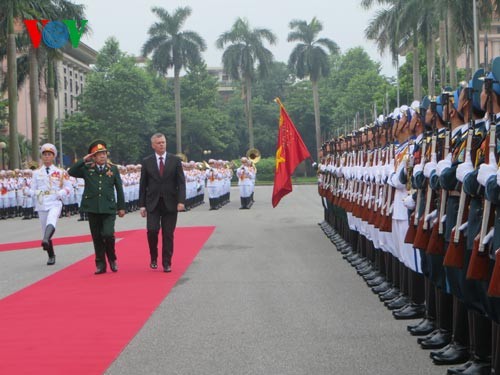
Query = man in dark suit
x=162 y=193
x=102 y=179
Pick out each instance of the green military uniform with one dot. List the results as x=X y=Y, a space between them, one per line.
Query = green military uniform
x=101 y=205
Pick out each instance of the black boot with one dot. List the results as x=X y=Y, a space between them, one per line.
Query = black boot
x=243 y=205
x=52 y=256
x=49 y=232
x=82 y=216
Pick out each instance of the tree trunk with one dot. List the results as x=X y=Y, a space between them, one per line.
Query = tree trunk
x=248 y=99
x=416 y=68
x=452 y=48
x=177 y=98
x=317 y=124
x=34 y=101
x=14 y=161
x=51 y=129
x=431 y=74
x=442 y=52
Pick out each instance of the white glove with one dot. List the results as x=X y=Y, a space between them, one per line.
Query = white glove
x=485 y=172
x=463 y=227
x=378 y=175
x=429 y=167
x=409 y=202
x=418 y=168
x=431 y=216
x=61 y=194
x=443 y=164
x=498 y=177
x=489 y=236
x=464 y=169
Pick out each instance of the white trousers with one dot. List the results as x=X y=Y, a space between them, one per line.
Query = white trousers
x=49 y=217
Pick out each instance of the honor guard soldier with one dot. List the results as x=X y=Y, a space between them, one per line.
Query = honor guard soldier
x=102 y=180
x=245 y=182
x=49 y=187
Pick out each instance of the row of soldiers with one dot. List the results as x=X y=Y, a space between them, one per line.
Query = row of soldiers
x=216 y=176
x=14 y=202
x=413 y=203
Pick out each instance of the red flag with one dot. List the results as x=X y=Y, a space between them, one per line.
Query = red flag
x=290 y=152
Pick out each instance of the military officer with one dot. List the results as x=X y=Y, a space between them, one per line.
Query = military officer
x=102 y=179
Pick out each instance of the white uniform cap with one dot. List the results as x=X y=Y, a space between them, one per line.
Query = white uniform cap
x=48 y=147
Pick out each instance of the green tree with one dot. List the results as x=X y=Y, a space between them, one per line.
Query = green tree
x=310 y=59
x=79 y=131
x=124 y=104
x=245 y=48
x=173 y=48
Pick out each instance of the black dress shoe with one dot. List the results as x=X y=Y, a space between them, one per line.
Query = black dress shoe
x=424 y=328
x=384 y=287
x=376 y=281
x=439 y=340
x=459 y=369
x=478 y=367
x=428 y=336
x=412 y=311
x=167 y=269
x=454 y=354
x=113 y=266
x=389 y=295
x=51 y=261
x=411 y=327
x=372 y=275
x=100 y=270
x=153 y=264
x=397 y=303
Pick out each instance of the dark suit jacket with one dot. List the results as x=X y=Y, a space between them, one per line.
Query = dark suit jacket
x=99 y=194
x=171 y=186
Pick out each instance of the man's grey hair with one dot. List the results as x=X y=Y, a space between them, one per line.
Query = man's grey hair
x=158 y=135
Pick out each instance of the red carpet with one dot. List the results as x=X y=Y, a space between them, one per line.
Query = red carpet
x=74 y=322
x=57 y=241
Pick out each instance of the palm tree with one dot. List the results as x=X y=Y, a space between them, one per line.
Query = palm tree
x=173 y=48
x=20 y=10
x=245 y=48
x=309 y=59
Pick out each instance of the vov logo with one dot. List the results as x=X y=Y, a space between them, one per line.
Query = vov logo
x=55 y=34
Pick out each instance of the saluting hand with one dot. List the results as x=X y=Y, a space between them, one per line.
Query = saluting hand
x=87 y=157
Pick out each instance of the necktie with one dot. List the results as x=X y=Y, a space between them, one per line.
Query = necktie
x=161 y=165
x=47 y=169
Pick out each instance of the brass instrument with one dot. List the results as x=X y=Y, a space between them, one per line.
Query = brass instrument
x=182 y=156
x=254 y=155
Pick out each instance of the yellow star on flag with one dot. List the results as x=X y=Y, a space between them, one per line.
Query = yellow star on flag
x=279 y=158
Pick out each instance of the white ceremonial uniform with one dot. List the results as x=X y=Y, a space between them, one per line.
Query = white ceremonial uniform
x=49 y=187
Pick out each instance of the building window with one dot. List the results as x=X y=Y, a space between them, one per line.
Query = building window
x=71 y=106
x=76 y=87
x=71 y=73
x=65 y=83
x=65 y=100
x=71 y=85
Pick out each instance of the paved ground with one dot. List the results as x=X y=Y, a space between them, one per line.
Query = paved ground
x=268 y=294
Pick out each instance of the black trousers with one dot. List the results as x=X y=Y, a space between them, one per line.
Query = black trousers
x=102 y=228
x=161 y=218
